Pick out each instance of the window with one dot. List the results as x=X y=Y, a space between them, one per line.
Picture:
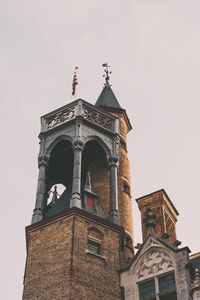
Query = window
x=122 y=293
x=126 y=189
x=147 y=289
x=166 y=282
x=90 y=201
x=162 y=287
x=93 y=247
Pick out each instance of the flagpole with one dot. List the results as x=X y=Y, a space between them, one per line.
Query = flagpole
x=74 y=84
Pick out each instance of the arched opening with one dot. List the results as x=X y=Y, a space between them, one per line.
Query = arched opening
x=59 y=173
x=94 y=160
x=95 y=240
x=59 y=189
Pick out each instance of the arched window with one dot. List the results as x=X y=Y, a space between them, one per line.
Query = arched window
x=59 y=178
x=162 y=287
x=156 y=279
x=95 y=238
x=56 y=191
x=126 y=186
x=60 y=168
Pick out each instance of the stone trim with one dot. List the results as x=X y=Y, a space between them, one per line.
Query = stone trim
x=96 y=255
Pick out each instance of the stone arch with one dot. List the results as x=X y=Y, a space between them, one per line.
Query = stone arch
x=101 y=143
x=95 y=160
x=95 y=232
x=56 y=141
x=60 y=162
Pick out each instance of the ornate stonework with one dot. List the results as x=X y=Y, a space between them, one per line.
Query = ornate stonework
x=165 y=212
x=154 y=262
x=61 y=117
x=97 y=118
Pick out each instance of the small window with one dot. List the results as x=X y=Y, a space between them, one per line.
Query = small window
x=166 y=282
x=126 y=188
x=89 y=201
x=122 y=293
x=93 y=247
x=147 y=289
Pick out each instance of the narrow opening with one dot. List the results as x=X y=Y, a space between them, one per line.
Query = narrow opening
x=94 y=247
x=59 y=177
x=126 y=188
x=60 y=189
x=60 y=169
x=122 y=293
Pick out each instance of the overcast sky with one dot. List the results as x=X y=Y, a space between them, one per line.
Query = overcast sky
x=153 y=47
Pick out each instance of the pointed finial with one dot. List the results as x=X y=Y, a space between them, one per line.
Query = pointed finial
x=197 y=276
x=106 y=70
x=88 y=182
x=149 y=220
x=55 y=195
x=196 y=281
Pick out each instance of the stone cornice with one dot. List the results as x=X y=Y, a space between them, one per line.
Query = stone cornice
x=78 y=212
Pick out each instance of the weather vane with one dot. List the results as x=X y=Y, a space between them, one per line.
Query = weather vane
x=106 y=70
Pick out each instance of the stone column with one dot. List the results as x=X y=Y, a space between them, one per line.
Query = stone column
x=114 y=214
x=40 y=204
x=76 y=185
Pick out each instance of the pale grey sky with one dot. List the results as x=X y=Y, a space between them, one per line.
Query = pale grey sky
x=153 y=47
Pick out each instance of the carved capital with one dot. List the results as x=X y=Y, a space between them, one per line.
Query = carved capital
x=112 y=161
x=114 y=212
x=117 y=138
x=114 y=216
x=78 y=144
x=43 y=160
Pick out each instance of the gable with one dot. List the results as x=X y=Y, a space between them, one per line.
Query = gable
x=153 y=262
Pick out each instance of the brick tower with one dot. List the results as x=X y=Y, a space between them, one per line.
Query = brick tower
x=78 y=241
x=165 y=213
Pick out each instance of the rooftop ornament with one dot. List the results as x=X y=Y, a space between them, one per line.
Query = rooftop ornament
x=106 y=70
x=196 y=282
x=149 y=220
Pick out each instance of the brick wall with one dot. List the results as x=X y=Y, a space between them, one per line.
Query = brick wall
x=166 y=215
x=101 y=182
x=60 y=266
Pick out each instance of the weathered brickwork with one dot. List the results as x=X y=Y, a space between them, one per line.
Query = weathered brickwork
x=60 y=266
x=124 y=184
x=47 y=274
x=101 y=183
x=165 y=212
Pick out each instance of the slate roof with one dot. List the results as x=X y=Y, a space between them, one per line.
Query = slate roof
x=107 y=98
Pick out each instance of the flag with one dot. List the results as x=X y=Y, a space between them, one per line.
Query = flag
x=75 y=82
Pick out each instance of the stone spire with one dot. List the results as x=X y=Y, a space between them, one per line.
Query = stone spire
x=88 y=186
x=149 y=221
x=55 y=195
x=107 y=98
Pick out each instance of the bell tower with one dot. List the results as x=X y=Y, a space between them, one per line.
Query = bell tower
x=79 y=240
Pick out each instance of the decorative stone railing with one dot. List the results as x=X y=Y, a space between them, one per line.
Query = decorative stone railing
x=98 y=118
x=82 y=109
x=59 y=117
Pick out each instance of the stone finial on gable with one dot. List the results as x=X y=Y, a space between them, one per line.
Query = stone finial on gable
x=149 y=220
x=196 y=282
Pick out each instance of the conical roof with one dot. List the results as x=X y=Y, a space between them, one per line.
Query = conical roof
x=107 y=98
